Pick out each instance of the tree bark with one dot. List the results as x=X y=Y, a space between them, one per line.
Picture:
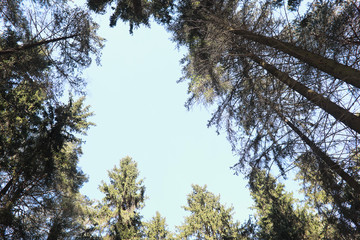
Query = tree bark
x=6 y=188
x=339 y=113
x=322 y=155
x=34 y=44
x=331 y=67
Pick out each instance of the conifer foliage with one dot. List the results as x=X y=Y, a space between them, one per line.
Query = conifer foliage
x=124 y=197
x=43 y=47
x=283 y=84
x=208 y=219
x=286 y=91
x=156 y=228
x=277 y=214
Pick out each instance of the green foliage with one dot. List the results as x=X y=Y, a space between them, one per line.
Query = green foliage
x=136 y=12
x=236 y=60
x=39 y=154
x=156 y=228
x=208 y=219
x=124 y=197
x=43 y=44
x=278 y=218
x=335 y=201
x=49 y=43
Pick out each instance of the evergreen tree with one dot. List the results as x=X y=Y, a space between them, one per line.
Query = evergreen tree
x=282 y=87
x=243 y=57
x=327 y=193
x=46 y=41
x=277 y=216
x=124 y=197
x=223 y=67
x=156 y=228
x=39 y=154
x=43 y=45
x=136 y=12
x=208 y=218
x=274 y=95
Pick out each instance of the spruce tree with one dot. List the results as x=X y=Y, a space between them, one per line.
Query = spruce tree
x=278 y=215
x=208 y=219
x=124 y=198
x=47 y=41
x=44 y=45
x=39 y=154
x=156 y=228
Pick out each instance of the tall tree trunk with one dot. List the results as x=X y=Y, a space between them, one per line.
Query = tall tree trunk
x=335 y=69
x=339 y=113
x=334 y=166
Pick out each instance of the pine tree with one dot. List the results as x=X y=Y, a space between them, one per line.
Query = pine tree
x=265 y=85
x=124 y=197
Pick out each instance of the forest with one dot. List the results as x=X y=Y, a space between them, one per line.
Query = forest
x=283 y=78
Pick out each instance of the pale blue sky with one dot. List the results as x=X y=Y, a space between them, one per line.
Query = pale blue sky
x=139 y=112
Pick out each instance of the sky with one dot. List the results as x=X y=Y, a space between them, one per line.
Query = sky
x=139 y=112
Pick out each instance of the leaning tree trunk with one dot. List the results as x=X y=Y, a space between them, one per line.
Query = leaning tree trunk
x=334 y=166
x=331 y=67
x=339 y=113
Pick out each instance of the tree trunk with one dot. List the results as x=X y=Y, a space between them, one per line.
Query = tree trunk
x=334 y=166
x=331 y=67
x=34 y=44
x=6 y=188
x=339 y=113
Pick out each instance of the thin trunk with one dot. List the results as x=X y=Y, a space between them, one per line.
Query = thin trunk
x=35 y=44
x=334 y=166
x=6 y=188
x=331 y=67
x=339 y=113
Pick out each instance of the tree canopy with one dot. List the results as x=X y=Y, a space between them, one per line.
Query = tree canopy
x=44 y=45
x=283 y=77
x=283 y=83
